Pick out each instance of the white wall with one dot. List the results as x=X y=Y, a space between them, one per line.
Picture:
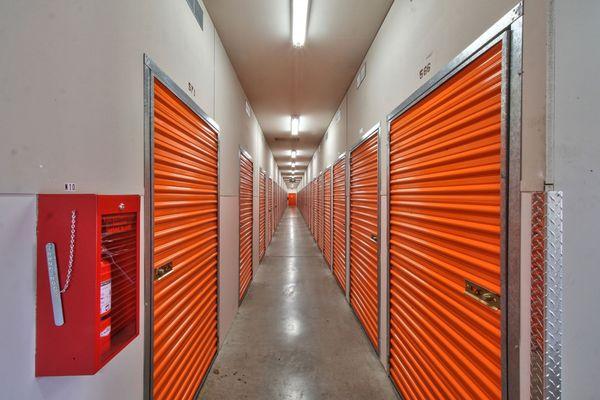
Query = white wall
x=71 y=110
x=576 y=171
x=334 y=141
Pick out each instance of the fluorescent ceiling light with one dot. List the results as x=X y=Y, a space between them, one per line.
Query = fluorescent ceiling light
x=299 y=21
x=295 y=125
x=293 y=164
x=293 y=153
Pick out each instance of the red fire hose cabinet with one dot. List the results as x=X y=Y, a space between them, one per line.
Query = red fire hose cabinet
x=87 y=281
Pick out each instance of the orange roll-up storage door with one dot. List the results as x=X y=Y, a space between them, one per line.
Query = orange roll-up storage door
x=327 y=216
x=445 y=207
x=292 y=200
x=314 y=208
x=302 y=196
x=364 y=228
x=269 y=210
x=339 y=222
x=246 y=223
x=320 y=212
x=186 y=241
x=275 y=206
x=311 y=208
x=262 y=220
x=307 y=206
x=304 y=204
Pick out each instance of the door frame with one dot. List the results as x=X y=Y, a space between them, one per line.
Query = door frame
x=245 y=153
x=375 y=130
x=507 y=30
x=151 y=71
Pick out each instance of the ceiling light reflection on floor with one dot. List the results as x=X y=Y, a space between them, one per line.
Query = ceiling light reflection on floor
x=291 y=275
x=297 y=387
x=292 y=326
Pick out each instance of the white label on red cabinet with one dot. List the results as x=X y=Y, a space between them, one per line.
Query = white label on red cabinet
x=105 y=297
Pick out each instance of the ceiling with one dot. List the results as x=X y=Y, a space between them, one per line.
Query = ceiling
x=281 y=80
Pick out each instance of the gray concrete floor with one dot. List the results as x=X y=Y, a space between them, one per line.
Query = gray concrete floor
x=295 y=336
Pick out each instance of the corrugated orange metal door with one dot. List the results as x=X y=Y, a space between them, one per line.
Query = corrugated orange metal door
x=322 y=209
x=327 y=216
x=309 y=205
x=306 y=205
x=262 y=220
x=315 y=203
x=311 y=209
x=269 y=210
x=314 y=207
x=339 y=222
x=302 y=203
x=320 y=212
x=275 y=219
x=246 y=222
x=364 y=228
x=275 y=206
x=445 y=191
x=185 y=238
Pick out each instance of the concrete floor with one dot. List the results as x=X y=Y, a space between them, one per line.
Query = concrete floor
x=295 y=336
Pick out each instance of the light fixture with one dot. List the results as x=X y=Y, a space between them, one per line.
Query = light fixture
x=293 y=164
x=295 y=126
x=299 y=22
x=293 y=153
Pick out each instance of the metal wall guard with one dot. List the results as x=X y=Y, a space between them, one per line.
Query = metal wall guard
x=546 y=295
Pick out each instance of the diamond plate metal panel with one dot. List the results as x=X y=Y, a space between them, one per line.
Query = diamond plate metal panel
x=538 y=244
x=546 y=295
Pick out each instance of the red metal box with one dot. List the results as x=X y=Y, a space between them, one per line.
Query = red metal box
x=97 y=238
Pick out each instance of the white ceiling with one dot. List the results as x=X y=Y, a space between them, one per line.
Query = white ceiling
x=281 y=80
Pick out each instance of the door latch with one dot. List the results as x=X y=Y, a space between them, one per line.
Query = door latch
x=163 y=271
x=482 y=295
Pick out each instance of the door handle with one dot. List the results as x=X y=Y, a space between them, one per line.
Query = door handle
x=163 y=271
x=374 y=237
x=482 y=295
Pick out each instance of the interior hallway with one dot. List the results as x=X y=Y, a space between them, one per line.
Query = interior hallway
x=295 y=336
